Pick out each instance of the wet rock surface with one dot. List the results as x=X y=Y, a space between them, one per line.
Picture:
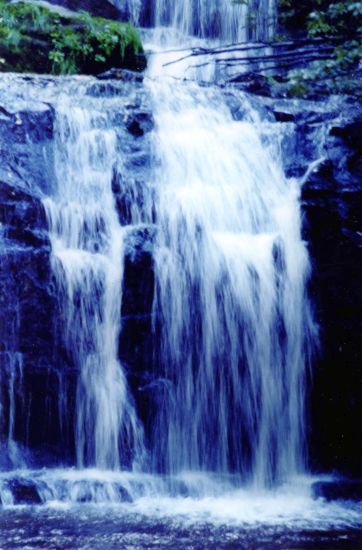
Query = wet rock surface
x=23 y=491
x=30 y=319
x=28 y=312
x=338 y=490
x=324 y=151
x=26 y=132
x=332 y=205
x=98 y=8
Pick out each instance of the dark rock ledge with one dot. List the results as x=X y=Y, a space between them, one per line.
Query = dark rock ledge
x=343 y=489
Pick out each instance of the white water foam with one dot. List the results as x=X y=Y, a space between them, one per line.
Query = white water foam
x=205 y=499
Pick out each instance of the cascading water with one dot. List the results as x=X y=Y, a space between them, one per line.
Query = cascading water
x=228 y=21
x=186 y=228
x=231 y=308
x=87 y=245
x=230 y=317
x=217 y=412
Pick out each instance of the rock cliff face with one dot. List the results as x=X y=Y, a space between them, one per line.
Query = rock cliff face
x=34 y=365
x=28 y=309
x=332 y=205
x=98 y=8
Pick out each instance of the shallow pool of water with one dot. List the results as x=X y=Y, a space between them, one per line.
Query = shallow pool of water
x=89 y=526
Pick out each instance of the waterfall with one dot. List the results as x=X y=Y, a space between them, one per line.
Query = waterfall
x=230 y=321
x=155 y=324
x=230 y=310
x=87 y=260
x=225 y=20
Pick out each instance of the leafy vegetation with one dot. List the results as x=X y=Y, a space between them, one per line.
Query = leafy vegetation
x=35 y=39
x=339 y=23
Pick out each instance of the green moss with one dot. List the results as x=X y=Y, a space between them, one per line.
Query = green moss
x=35 y=39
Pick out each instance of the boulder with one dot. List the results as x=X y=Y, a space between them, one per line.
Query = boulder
x=24 y=491
x=98 y=8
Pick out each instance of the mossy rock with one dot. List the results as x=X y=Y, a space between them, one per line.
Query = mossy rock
x=37 y=40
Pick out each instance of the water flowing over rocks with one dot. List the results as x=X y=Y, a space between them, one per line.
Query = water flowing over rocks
x=179 y=332
x=323 y=149
x=34 y=358
x=35 y=364
x=32 y=346
x=27 y=303
x=204 y=19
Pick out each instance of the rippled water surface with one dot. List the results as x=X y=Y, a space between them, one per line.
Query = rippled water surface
x=95 y=527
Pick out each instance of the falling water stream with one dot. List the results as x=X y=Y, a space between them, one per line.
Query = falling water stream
x=231 y=323
x=228 y=21
x=87 y=243
x=230 y=272
x=230 y=306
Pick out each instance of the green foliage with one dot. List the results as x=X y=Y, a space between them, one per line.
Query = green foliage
x=293 y=14
x=339 y=20
x=340 y=24
x=25 y=16
x=35 y=38
x=96 y=38
x=321 y=18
